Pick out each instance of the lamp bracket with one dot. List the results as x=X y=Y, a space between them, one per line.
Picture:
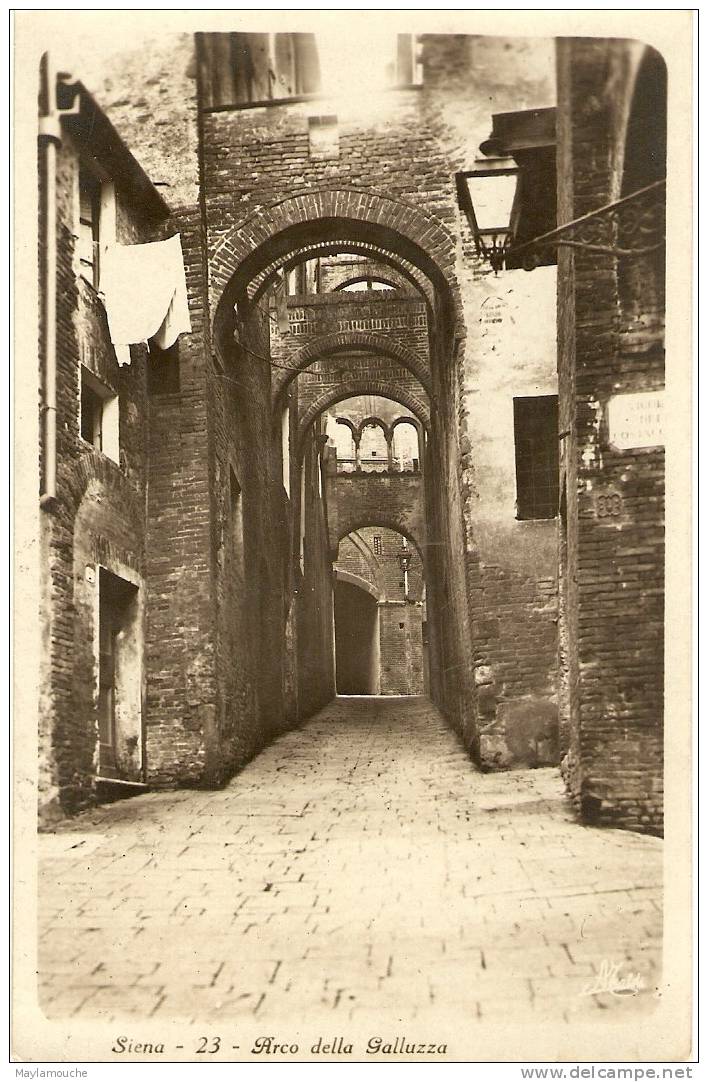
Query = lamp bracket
x=639 y=216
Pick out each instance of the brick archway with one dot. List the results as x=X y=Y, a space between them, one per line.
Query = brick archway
x=342 y=341
x=362 y=387
x=385 y=522
x=408 y=271
x=365 y=216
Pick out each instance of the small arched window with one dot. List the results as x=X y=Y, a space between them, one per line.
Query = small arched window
x=343 y=437
x=373 y=449
x=406 y=449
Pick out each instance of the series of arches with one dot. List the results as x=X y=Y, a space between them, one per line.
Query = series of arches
x=396 y=445
x=248 y=261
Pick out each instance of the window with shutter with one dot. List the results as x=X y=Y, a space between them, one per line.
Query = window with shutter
x=536 y=449
x=89 y=225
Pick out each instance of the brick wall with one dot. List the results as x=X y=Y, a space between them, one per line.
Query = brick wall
x=374 y=499
x=335 y=274
x=246 y=191
x=614 y=548
x=98 y=519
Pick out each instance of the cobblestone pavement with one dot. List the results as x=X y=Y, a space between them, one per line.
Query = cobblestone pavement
x=358 y=867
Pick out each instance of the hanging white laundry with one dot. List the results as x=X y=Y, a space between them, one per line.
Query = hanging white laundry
x=145 y=292
x=122 y=353
x=177 y=320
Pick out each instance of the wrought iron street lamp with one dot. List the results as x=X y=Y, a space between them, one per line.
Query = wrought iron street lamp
x=488 y=197
x=405 y=561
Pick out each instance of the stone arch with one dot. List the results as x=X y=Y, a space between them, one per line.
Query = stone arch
x=374 y=422
x=340 y=342
x=406 y=421
x=277 y=230
x=361 y=387
x=416 y=425
x=357 y=580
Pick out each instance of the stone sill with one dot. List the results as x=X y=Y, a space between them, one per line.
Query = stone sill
x=269 y=103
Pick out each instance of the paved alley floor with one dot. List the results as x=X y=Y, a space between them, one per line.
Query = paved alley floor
x=359 y=867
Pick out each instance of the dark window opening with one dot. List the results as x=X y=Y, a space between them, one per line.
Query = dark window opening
x=641 y=280
x=99 y=422
x=91 y=416
x=163 y=369
x=536 y=447
x=89 y=225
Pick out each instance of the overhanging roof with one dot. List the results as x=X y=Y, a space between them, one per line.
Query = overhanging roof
x=94 y=132
x=528 y=129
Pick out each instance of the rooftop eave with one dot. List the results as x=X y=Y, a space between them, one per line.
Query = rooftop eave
x=94 y=132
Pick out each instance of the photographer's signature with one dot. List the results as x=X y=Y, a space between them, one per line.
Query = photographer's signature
x=611 y=980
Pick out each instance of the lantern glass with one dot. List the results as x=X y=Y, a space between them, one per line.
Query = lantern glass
x=405 y=560
x=492 y=196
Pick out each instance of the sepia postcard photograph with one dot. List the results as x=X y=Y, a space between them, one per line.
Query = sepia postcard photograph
x=352 y=530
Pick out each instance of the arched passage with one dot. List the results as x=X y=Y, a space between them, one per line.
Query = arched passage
x=357 y=640
x=382 y=654
x=245 y=264
x=276 y=231
x=330 y=344
x=362 y=387
x=406 y=444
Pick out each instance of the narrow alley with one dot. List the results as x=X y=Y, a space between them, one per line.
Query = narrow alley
x=358 y=868
x=342 y=709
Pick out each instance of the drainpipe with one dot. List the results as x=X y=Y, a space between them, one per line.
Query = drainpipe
x=50 y=135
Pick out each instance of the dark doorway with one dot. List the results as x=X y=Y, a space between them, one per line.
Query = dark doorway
x=356 y=619
x=119 y=725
